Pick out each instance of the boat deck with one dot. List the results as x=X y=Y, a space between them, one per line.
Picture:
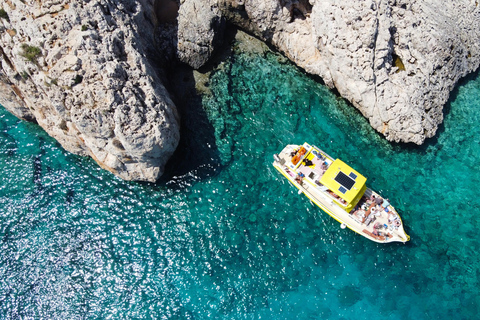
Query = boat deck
x=373 y=216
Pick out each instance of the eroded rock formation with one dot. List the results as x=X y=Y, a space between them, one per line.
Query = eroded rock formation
x=395 y=60
x=80 y=69
x=83 y=69
x=200 y=30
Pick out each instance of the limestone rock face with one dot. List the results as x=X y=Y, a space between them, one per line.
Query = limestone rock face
x=397 y=61
x=394 y=60
x=200 y=31
x=80 y=69
x=83 y=70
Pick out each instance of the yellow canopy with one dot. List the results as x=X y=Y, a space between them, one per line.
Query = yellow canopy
x=344 y=181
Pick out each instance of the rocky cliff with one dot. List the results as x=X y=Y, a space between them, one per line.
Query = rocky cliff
x=81 y=69
x=394 y=60
x=88 y=73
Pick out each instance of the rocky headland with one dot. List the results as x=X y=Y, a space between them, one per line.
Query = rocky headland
x=83 y=70
x=91 y=73
x=396 y=61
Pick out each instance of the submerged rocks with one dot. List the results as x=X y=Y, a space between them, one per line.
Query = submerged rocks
x=81 y=70
x=396 y=61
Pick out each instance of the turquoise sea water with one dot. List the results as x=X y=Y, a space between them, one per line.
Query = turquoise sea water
x=223 y=236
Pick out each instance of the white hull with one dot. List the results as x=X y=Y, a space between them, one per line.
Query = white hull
x=380 y=223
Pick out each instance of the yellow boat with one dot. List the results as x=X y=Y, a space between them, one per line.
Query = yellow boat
x=341 y=192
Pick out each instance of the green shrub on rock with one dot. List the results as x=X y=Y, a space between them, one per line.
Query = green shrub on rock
x=31 y=53
x=4 y=14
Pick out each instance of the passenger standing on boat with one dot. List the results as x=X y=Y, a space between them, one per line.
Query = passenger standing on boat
x=377 y=200
x=370 y=219
x=391 y=217
x=307 y=163
x=324 y=166
x=299 y=178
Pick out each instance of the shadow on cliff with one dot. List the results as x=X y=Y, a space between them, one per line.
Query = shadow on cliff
x=196 y=157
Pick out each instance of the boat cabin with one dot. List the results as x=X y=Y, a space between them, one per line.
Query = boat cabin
x=344 y=182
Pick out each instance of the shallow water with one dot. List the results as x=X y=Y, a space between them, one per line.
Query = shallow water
x=224 y=235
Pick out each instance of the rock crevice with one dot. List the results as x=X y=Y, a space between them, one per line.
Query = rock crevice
x=88 y=71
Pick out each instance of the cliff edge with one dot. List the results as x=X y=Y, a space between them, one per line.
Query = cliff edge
x=89 y=72
x=80 y=69
x=395 y=60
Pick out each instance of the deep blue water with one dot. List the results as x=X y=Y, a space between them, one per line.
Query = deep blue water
x=223 y=235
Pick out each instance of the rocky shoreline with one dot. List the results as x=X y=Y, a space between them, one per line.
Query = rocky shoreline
x=92 y=85
x=92 y=74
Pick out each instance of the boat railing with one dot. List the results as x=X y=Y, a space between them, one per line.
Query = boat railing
x=368 y=193
x=324 y=192
x=319 y=193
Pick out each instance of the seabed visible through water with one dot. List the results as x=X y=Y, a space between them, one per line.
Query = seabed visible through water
x=223 y=235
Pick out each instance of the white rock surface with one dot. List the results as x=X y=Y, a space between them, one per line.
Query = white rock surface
x=92 y=87
x=200 y=31
x=353 y=46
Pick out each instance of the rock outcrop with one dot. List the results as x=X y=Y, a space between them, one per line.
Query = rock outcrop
x=394 y=60
x=200 y=31
x=81 y=70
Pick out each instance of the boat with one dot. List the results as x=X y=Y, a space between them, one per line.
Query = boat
x=340 y=191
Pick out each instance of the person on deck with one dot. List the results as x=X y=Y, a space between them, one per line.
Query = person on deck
x=307 y=163
x=299 y=178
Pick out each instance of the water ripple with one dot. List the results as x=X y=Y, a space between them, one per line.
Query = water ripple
x=225 y=236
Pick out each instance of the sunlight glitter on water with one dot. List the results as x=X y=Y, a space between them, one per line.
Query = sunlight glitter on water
x=225 y=236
